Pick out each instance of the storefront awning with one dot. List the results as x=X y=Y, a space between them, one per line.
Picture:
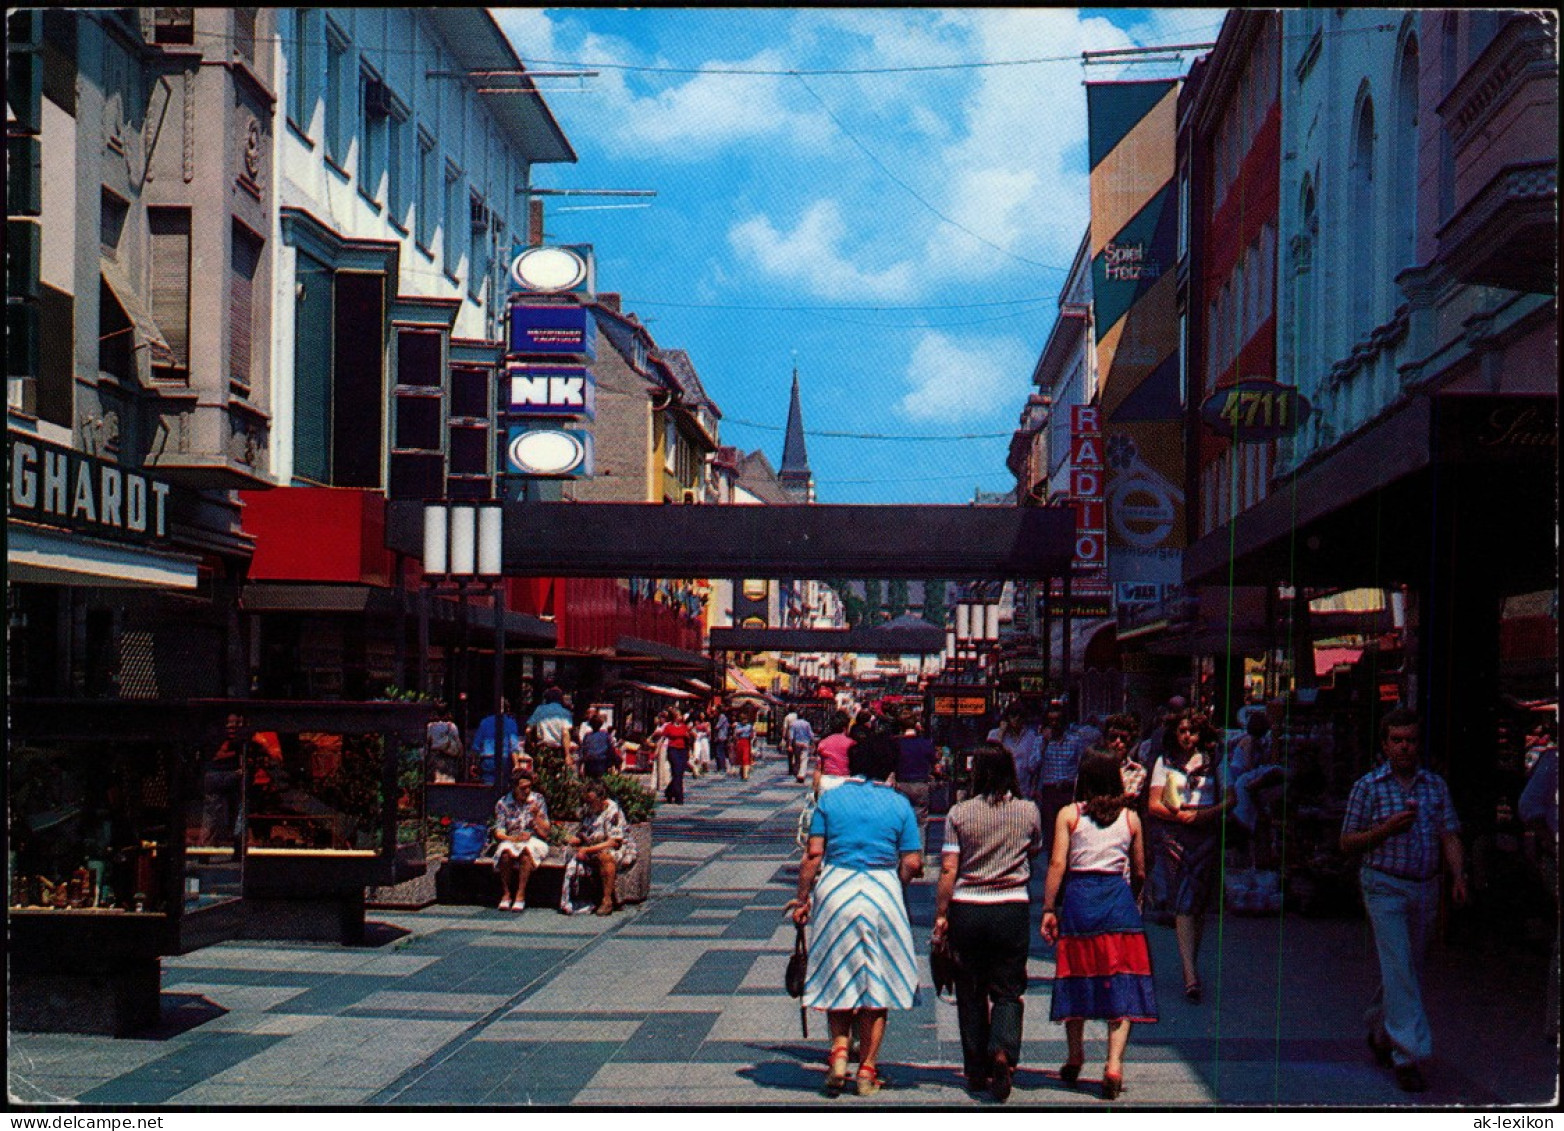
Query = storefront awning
x=632 y=647
x=1326 y=660
x=49 y=557
x=310 y=597
x=658 y=689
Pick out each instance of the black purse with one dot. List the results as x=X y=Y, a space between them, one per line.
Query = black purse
x=944 y=966
x=798 y=974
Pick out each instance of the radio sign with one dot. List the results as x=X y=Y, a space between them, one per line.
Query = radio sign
x=561 y=329
x=1255 y=411
x=550 y=390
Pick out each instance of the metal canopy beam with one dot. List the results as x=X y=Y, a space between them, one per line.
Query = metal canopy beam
x=865 y=641
x=970 y=543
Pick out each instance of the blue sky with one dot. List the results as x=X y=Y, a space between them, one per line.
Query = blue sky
x=903 y=233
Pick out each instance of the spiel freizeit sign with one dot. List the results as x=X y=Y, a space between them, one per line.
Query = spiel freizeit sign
x=61 y=487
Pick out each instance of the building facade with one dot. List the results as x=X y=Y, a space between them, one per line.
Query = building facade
x=1416 y=312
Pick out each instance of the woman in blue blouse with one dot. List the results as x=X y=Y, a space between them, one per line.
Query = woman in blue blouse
x=863 y=844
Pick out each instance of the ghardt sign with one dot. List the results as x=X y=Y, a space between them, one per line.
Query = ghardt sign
x=61 y=487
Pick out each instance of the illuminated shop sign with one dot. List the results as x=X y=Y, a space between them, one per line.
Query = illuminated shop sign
x=1255 y=411
x=1086 y=488
x=543 y=450
x=61 y=487
x=561 y=329
x=553 y=270
x=550 y=390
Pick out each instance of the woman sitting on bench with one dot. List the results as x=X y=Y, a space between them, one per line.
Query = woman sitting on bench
x=520 y=824
x=602 y=844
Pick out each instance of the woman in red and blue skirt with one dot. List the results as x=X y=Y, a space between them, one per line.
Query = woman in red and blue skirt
x=1102 y=966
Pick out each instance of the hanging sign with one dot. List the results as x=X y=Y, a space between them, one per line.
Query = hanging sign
x=541 y=389
x=1255 y=411
x=564 y=328
x=549 y=452
x=553 y=270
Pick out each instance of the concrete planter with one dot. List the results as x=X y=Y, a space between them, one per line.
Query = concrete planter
x=410 y=895
x=636 y=884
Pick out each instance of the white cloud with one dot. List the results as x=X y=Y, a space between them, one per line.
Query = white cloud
x=812 y=254
x=963 y=379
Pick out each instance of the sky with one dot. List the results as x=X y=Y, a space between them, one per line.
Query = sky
x=898 y=233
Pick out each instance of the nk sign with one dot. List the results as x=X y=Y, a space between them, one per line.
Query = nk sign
x=537 y=389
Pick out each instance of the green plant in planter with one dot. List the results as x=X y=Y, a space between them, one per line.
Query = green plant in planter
x=561 y=790
x=636 y=801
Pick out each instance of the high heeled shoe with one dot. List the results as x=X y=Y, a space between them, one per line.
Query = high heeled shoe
x=1112 y=1085
x=1070 y=1073
x=836 y=1074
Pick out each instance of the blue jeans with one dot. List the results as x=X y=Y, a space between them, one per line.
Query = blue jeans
x=1402 y=913
x=678 y=763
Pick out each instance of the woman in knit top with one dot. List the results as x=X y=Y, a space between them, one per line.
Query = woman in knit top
x=1102 y=965
x=983 y=904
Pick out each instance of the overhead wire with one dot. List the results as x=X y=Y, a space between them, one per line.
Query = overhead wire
x=945 y=438
x=912 y=192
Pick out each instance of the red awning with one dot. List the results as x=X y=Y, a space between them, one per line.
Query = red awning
x=1326 y=660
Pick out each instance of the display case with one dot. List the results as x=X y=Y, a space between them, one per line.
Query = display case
x=143 y=828
x=332 y=802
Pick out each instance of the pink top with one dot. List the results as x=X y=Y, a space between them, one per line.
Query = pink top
x=833 y=755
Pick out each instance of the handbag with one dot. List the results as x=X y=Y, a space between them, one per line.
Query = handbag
x=944 y=966
x=798 y=974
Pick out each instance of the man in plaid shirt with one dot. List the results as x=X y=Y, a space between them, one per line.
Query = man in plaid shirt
x=1401 y=818
x=1062 y=747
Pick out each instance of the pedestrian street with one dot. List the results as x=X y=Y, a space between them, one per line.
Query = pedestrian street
x=678 y=1002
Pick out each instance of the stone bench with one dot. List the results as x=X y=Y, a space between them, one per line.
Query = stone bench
x=478 y=881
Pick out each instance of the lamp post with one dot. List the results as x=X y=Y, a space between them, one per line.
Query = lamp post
x=462 y=548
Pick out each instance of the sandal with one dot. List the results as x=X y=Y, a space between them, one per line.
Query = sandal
x=1070 y=1073
x=836 y=1075
x=870 y=1081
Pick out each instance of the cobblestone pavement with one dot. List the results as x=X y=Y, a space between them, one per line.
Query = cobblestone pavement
x=678 y=1003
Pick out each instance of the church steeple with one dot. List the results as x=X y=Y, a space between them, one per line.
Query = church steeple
x=796 y=478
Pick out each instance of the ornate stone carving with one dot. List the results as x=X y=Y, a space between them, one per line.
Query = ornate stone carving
x=252 y=150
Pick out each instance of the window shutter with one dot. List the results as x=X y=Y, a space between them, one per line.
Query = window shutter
x=171 y=278
x=241 y=311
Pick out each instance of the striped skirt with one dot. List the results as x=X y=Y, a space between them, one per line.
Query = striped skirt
x=860 y=943
x=1102 y=967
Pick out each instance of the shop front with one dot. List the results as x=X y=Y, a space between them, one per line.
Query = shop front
x=1445 y=502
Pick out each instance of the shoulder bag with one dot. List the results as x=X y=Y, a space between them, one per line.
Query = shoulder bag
x=798 y=974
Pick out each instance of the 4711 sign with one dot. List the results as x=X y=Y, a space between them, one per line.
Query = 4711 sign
x=1255 y=411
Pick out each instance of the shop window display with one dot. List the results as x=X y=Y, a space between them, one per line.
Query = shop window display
x=90 y=827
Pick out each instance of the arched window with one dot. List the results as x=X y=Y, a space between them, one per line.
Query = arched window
x=1403 y=195
x=1447 y=46
x=1304 y=335
x=1360 y=173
